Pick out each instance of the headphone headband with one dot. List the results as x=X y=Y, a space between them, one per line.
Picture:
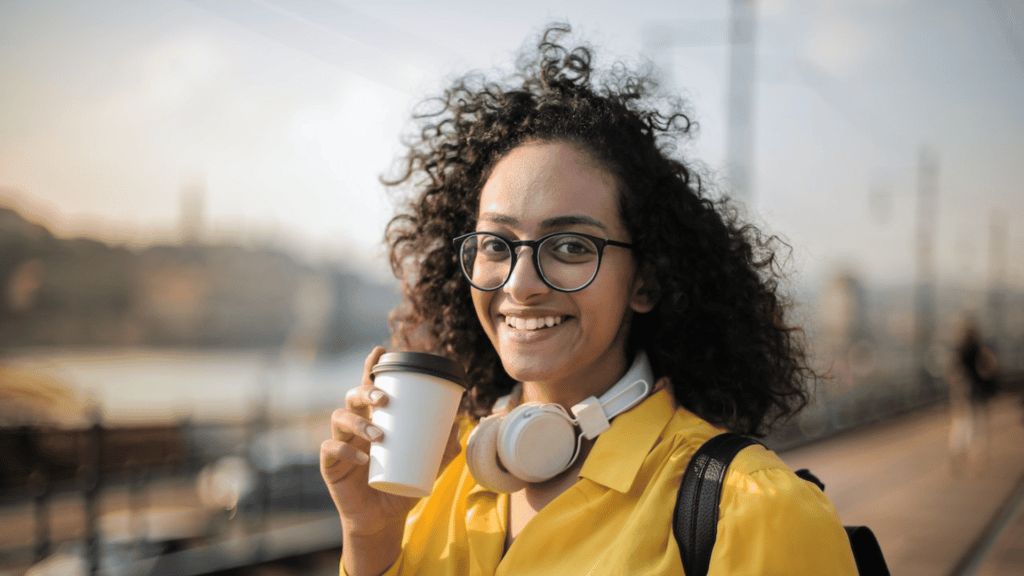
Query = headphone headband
x=594 y=415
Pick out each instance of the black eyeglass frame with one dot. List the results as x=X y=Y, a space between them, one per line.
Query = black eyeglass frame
x=600 y=243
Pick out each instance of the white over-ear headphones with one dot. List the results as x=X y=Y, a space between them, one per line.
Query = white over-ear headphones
x=536 y=441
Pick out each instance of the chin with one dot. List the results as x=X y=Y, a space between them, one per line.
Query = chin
x=528 y=368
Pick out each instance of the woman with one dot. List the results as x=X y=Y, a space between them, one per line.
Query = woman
x=554 y=243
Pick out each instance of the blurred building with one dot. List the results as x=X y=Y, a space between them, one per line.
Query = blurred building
x=83 y=292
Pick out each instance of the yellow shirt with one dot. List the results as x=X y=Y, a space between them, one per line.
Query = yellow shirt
x=617 y=519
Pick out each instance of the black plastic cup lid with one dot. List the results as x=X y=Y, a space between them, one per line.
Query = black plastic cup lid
x=422 y=363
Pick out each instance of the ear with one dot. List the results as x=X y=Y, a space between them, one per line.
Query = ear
x=646 y=292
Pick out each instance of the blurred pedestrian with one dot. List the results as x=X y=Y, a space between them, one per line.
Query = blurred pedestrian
x=973 y=383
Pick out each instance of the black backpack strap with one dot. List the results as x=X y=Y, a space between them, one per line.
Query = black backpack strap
x=866 y=551
x=695 y=521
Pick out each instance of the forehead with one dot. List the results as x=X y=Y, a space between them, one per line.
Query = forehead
x=542 y=181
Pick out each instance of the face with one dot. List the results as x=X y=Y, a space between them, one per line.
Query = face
x=571 y=340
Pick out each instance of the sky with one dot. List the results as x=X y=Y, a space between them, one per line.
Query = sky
x=112 y=113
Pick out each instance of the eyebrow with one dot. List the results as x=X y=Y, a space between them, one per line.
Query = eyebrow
x=547 y=224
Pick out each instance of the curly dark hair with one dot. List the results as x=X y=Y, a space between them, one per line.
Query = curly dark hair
x=718 y=331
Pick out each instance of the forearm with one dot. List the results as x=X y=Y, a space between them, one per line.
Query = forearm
x=371 y=555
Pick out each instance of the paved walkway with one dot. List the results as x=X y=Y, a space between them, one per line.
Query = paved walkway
x=929 y=511
x=1007 y=553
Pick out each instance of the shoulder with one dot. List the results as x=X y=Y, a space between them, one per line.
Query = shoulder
x=759 y=483
x=772 y=519
x=759 y=478
x=755 y=469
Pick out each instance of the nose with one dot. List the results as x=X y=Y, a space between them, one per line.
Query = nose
x=524 y=281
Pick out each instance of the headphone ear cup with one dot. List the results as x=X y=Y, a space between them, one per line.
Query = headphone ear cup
x=536 y=442
x=482 y=458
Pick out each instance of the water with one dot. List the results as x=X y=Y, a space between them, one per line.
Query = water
x=133 y=386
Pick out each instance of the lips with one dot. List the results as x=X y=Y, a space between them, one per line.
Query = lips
x=532 y=323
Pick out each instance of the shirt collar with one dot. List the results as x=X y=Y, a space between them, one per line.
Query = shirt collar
x=619 y=452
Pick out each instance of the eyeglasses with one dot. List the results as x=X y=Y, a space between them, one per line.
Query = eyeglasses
x=565 y=261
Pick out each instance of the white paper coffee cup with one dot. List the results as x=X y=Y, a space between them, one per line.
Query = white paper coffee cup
x=424 y=392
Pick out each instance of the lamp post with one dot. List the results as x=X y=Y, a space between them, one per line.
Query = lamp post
x=741 y=37
x=742 y=65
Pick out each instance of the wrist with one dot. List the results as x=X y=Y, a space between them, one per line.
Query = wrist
x=371 y=554
x=366 y=534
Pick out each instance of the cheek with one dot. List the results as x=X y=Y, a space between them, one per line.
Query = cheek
x=608 y=303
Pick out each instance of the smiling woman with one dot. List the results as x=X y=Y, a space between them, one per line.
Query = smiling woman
x=612 y=317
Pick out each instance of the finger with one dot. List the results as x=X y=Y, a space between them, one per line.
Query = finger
x=339 y=459
x=361 y=399
x=371 y=361
x=341 y=435
x=352 y=428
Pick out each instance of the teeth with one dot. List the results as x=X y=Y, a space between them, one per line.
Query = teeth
x=532 y=323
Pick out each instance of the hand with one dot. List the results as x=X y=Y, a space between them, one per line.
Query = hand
x=344 y=462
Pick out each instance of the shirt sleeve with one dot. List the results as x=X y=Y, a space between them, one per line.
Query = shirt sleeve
x=772 y=522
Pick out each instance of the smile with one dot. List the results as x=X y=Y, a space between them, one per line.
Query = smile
x=519 y=323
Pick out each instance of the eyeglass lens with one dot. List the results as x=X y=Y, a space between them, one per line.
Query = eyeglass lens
x=567 y=261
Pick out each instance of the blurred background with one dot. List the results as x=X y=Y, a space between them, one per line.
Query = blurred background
x=191 y=266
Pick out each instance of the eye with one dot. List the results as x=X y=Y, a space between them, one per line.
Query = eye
x=492 y=247
x=570 y=247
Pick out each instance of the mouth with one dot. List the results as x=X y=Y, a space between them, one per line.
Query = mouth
x=532 y=324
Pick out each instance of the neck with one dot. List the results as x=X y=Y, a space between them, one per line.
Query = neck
x=569 y=393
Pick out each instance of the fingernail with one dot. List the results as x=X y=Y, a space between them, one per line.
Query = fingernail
x=362 y=458
x=376 y=395
x=373 y=432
